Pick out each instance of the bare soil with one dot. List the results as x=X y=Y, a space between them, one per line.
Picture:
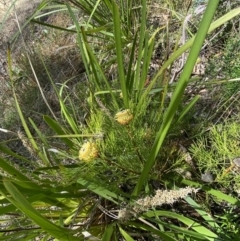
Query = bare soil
x=9 y=9
x=12 y=11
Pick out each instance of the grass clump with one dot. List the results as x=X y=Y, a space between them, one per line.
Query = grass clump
x=225 y=63
x=217 y=154
x=107 y=164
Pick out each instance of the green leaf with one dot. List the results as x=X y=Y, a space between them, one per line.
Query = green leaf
x=24 y=235
x=230 y=15
x=107 y=236
x=204 y=232
x=39 y=133
x=24 y=180
x=220 y=195
x=178 y=93
x=144 y=227
x=188 y=107
x=125 y=235
x=210 y=220
x=97 y=70
x=130 y=73
x=18 y=200
x=140 y=78
x=66 y=113
x=118 y=42
x=7 y=151
x=58 y=129
x=53 y=26
x=12 y=208
x=101 y=191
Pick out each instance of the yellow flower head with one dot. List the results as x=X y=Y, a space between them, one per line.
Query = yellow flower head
x=124 y=117
x=88 y=152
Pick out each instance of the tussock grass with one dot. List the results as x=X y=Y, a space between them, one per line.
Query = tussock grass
x=106 y=137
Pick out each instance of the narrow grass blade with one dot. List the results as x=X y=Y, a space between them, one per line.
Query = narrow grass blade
x=230 y=15
x=7 y=151
x=24 y=235
x=204 y=232
x=102 y=29
x=218 y=194
x=125 y=235
x=29 y=236
x=97 y=70
x=11 y=208
x=39 y=8
x=22 y=204
x=147 y=56
x=118 y=42
x=178 y=93
x=5 y=16
x=26 y=182
x=101 y=14
x=93 y=11
x=67 y=115
x=144 y=66
x=142 y=37
x=188 y=107
x=58 y=129
x=20 y=113
x=152 y=230
x=53 y=26
x=130 y=73
x=210 y=220
x=25 y=126
x=90 y=62
x=80 y=41
x=101 y=191
x=39 y=133
x=107 y=236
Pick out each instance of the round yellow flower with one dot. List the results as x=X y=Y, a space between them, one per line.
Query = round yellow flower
x=88 y=152
x=124 y=117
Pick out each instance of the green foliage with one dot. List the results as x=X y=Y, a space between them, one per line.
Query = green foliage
x=228 y=63
x=215 y=153
x=100 y=168
x=228 y=223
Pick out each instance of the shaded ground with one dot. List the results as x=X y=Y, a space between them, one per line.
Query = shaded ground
x=57 y=49
x=9 y=9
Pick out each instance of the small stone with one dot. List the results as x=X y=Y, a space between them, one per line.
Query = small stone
x=236 y=161
x=207 y=177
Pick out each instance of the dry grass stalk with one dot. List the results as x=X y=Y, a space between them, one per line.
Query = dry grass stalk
x=161 y=197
